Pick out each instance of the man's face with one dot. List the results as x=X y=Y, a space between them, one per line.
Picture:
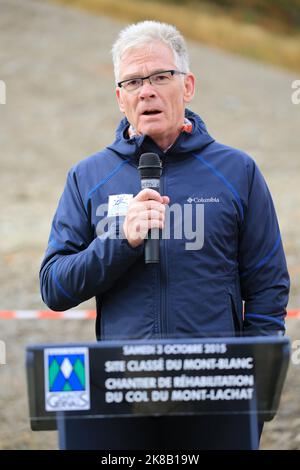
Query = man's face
x=165 y=103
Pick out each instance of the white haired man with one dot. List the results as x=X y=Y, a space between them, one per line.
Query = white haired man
x=190 y=292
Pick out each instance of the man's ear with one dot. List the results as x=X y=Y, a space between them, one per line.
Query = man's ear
x=120 y=100
x=189 y=87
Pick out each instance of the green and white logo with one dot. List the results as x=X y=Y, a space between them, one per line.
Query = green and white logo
x=66 y=379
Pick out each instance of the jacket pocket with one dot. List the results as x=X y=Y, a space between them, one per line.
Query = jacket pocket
x=236 y=318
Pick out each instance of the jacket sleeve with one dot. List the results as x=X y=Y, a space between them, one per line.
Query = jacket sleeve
x=263 y=272
x=78 y=266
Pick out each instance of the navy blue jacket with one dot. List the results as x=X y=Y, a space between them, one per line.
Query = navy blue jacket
x=191 y=292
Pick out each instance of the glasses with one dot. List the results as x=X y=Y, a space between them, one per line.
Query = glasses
x=157 y=78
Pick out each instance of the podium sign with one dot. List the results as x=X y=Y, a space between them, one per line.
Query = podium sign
x=156 y=377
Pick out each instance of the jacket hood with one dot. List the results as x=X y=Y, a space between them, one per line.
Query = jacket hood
x=185 y=143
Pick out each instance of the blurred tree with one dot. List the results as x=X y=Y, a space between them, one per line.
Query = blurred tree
x=276 y=13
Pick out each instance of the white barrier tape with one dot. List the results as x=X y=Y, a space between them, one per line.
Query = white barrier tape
x=71 y=314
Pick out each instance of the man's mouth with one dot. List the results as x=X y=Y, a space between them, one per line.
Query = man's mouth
x=151 y=112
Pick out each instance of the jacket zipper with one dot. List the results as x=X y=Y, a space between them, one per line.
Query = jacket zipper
x=163 y=268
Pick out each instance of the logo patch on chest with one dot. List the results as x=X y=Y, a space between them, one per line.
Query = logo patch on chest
x=118 y=204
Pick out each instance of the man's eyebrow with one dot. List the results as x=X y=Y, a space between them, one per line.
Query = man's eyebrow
x=130 y=77
x=133 y=76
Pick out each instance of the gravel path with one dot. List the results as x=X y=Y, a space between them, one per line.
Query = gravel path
x=60 y=107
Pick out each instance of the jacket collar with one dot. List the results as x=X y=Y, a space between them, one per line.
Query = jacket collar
x=185 y=144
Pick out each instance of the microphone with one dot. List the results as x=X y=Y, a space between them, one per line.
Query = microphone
x=150 y=168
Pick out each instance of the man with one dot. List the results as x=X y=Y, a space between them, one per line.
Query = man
x=192 y=291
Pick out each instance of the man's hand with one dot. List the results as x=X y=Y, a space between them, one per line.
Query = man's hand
x=145 y=211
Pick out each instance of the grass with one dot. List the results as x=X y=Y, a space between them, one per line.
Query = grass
x=204 y=25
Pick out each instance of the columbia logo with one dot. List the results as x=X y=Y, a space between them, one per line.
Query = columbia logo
x=202 y=199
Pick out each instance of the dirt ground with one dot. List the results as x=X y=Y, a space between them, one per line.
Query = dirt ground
x=60 y=107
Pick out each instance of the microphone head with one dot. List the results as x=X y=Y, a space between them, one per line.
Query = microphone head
x=150 y=165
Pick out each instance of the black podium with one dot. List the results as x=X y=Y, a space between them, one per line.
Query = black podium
x=173 y=394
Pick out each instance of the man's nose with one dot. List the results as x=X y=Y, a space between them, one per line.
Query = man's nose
x=146 y=90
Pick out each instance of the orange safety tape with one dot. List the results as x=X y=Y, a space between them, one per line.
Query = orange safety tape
x=47 y=315
x=71 y=314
